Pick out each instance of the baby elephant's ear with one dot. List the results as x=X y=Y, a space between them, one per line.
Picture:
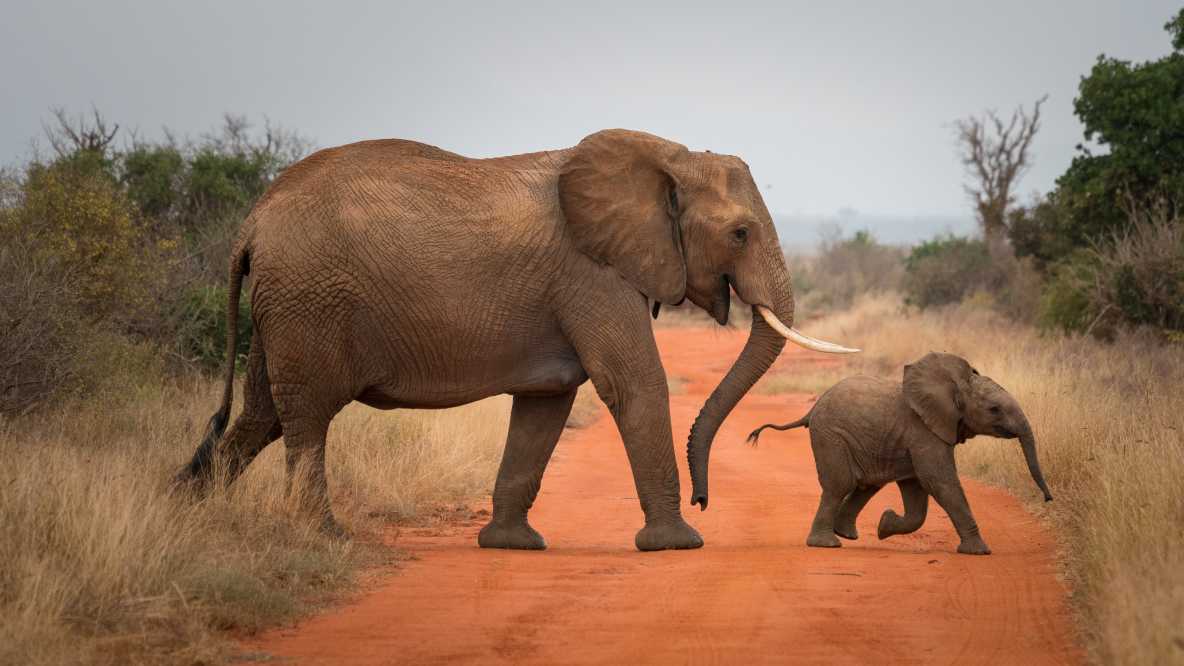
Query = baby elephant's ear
x=935 y=388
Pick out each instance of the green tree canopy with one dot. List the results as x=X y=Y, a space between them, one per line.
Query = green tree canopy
x=1135 y=113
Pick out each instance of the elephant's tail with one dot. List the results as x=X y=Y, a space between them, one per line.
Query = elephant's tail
x=239 y=267
x=802 y=422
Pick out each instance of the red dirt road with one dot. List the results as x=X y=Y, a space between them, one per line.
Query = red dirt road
x=754 y=594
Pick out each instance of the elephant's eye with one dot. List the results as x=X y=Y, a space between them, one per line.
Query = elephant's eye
x=740 y=235
x=996 y=410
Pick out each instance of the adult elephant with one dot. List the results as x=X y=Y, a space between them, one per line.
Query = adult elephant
x=401 y=275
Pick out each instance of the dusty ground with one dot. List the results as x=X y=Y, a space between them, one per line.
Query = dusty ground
x=754 y=593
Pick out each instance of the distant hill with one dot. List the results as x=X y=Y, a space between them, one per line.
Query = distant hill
x=802 y=232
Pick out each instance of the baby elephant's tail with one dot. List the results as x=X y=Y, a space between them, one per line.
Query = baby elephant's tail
x=755 y=434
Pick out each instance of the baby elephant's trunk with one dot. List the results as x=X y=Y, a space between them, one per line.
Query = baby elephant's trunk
x=755 y=434
x=1028 y=443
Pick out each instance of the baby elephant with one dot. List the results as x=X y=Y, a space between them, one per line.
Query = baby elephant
x=866 y=432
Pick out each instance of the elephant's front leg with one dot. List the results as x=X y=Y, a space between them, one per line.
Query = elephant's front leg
x=916 y=506
x=535 y=426
x=642 y=413
x=611 y=333
x=938 y=475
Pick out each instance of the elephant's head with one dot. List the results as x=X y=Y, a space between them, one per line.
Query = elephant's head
x=677 y=223
x=956 y=402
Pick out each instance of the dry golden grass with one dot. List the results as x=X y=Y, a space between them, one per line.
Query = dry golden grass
x=586 y=409
x=101 y=565
x=1109 y=421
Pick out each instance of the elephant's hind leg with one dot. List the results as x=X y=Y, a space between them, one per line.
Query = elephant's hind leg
x=822 y=531
x=304 y=442
x=535 y=426
x=916 y=506
x=252 y=431
x=849 y=511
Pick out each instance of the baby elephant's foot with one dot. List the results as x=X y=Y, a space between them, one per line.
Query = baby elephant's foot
x=889 y=520
x=847 y=531
x=973 y=546
x=822 y=541
x=516 y=535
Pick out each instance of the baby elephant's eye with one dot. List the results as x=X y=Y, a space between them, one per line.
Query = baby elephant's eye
x=996 y=409
x=740 y=234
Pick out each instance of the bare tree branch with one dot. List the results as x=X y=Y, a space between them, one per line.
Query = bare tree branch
x=996 y=154
x=70 y=137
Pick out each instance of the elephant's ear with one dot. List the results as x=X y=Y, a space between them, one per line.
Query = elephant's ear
x=935 y=388
x=618 y=190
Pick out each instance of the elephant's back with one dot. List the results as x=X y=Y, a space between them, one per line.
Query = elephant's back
x=860 y=414
x=408 y=198
x=862 y=393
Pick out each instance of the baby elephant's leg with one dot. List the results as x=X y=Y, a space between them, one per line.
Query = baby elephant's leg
x=822 y=530
x=834 y=475
x=849 y=511
x=916 y=505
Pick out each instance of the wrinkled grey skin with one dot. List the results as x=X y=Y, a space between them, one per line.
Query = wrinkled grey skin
x=867 y=432
x=401 y=275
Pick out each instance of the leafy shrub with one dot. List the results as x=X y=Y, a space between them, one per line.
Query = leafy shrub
x=219 y=183
x=201 y=326
x=81 y=222
x=946 y=270
x=1136 y=279
x=153 y=176
x=1132 y=110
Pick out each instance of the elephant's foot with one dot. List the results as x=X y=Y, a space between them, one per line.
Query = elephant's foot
x=516 y=535
x=333 y=529
x=186 y=485
x=888 y=524
x=973 y=545
x=847 y=531
x=672 y=535
x=825 y=540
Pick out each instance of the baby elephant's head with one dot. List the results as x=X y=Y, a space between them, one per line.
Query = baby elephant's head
x=956 y=403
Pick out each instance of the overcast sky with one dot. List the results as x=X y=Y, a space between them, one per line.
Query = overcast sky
x=833 y=104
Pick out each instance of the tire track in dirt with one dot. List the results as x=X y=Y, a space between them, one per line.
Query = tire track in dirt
x=753 y=594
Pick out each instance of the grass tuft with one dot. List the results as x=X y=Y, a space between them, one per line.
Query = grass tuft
x=102 y=565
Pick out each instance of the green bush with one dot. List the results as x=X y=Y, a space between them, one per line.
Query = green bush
x=109 y=255
x=1131 y=110
x=946 y=270
x=1136 y=279
x=219 y=183
x=153 y=176
x=80 y=221
x=1065 y=302
x=201 y=326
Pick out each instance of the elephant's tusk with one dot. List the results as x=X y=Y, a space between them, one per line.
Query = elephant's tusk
x=799 y=338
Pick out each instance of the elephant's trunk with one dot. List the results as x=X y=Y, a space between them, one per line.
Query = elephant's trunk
x=764 y=344
x=1028 y=443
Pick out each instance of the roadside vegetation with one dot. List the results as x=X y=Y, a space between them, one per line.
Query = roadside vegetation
x=103 y=565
